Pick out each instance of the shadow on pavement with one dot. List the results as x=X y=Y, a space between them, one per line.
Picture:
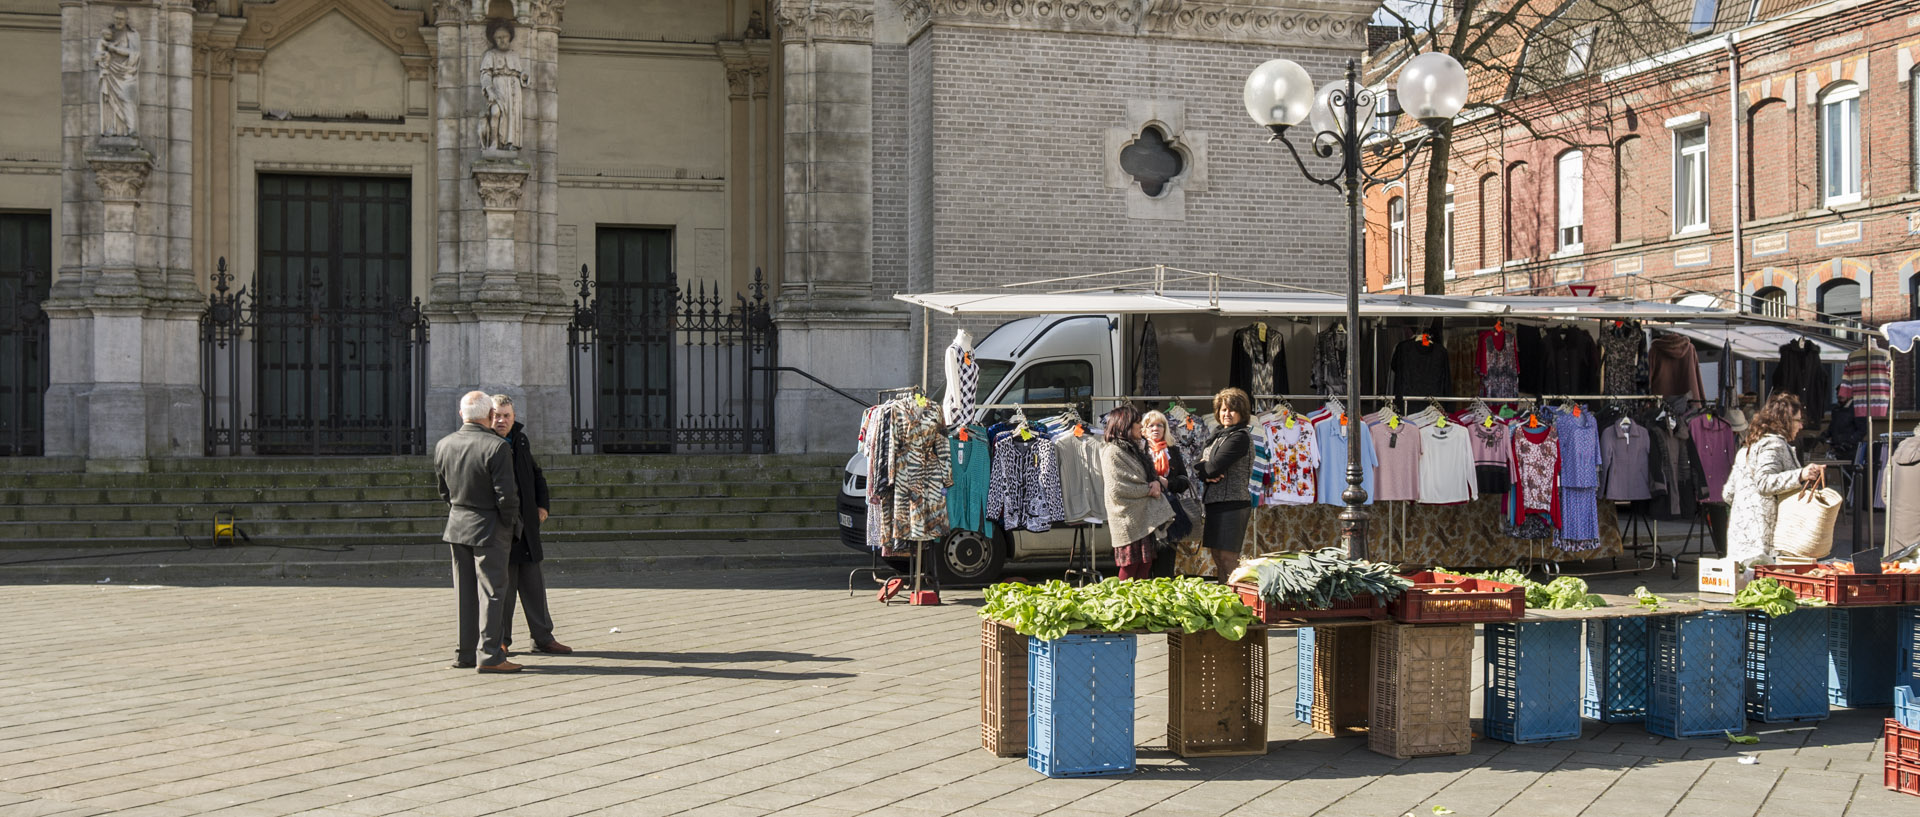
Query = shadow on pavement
x=746 y=657
x=699 y=672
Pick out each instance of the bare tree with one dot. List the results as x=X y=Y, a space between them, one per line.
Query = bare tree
x=1533 y=65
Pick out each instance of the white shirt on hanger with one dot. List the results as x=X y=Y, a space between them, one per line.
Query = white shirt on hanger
x=1446 y=465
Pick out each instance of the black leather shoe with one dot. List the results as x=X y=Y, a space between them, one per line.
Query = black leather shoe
x=461 y=665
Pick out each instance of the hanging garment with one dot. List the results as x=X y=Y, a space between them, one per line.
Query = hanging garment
x=1332 y=441
x=963 y=379
x=1623 y=358
x=1801 y=373
x=1573 y=361
x=1531 y=359
x=1536 y=474
x=1082 y=482
x=1421 y=368
x=1295 y=462
x=1903 y=493
x=1498 y=360
x=1260 y=476
x=1146 y=363
x=1624 y=454
x=1446 y=465
x=1673 y=367
x=1867 y=380
x=1716 y=443
x=1259 y=363
x=1330 y=362
x=971 y=465
x=1579 y=479
x=1397 y=448
x=1492 y=454
x=908 y=476
x=1024 y=490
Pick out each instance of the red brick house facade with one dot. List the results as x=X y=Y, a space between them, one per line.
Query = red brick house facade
x=1799 y=189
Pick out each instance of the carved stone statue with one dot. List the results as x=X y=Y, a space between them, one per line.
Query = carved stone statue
x=117 y=55
x=502 y=76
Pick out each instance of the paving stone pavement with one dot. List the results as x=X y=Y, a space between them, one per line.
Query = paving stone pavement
x=724 y=692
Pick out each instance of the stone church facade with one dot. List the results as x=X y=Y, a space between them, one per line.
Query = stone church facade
x=367 y=169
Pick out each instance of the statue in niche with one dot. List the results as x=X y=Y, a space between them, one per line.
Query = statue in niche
x=117 y=55
x=502 y=76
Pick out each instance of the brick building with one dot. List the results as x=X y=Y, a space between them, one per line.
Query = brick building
x=1765 y=149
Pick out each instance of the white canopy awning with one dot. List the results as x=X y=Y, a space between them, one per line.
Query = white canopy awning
x=1758 y=342
x=1011 y=301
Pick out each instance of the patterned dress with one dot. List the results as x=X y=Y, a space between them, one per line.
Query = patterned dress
x=1499 y=364
x=1579 y=480
x=1330 y=363
x=1535 y=500
x=1623 y=356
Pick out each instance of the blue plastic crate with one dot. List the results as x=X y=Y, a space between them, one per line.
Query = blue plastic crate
x=1533 y=689
x=1080 y=705
x=1616 y=671
x=1303 y=675
x=1785 y=658
x=1907 y=672
x=1696 y=676
x=1906 y=707
x=1861 y=656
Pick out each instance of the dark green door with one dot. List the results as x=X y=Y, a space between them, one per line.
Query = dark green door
x=635 y=282
x=332 y=374
x=25 y=273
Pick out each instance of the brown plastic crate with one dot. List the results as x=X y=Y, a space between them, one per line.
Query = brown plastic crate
x=1003 y=690
x=1467 y=600
x=1838 y=589
x=1903 y=744
x=1422 y=690
x=1216 y=694
x=1360 y=607
x=1342 y=679
x=1903 y=776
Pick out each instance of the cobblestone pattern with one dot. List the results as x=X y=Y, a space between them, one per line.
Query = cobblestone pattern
x=724 y=693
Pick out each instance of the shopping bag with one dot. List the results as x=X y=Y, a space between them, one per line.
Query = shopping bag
x=1804 y=526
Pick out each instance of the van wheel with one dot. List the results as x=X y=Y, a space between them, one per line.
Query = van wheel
x=970 y=558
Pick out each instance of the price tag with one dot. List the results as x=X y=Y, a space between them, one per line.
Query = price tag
x=1026 y=434
x=964 y=436
x=1487 y=422
x=1576 y=411
x=920 y=400
x=1343 y=418
x=1394 y=422
x=1189 y=422
x=1442 y=422
x=1533 y=421
x=1425 y=340
x=1290 y=421
x=1079 y=430
x=967 y=358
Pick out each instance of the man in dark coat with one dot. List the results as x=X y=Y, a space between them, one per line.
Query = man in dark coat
x=523 y=569
x=474 y=467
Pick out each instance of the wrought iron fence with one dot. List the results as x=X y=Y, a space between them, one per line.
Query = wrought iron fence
x=23 y=364
x=671 y=371
x=328 y=368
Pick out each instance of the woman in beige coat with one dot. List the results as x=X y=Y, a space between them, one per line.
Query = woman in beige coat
x=1136 y=505
x=1765 y=471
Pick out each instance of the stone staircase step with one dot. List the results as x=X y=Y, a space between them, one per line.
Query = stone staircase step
x=334 y=541
x=597 y=523
x=421 y=477
x=424 y=492
x=374 y=507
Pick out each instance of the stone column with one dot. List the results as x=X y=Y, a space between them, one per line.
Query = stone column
x=831 y=324
x=125 y=371
x=498 y=307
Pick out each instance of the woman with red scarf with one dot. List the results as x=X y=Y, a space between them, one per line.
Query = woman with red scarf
x=1137 y=504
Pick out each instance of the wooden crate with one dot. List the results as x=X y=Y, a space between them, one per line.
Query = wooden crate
x=1217 y=694
x=1342 y=679
x=1003 y=690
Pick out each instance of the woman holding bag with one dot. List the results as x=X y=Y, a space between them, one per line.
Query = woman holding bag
x=1765 y=471
x=1136 y=501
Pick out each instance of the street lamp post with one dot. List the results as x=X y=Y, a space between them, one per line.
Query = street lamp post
x=1278 y=95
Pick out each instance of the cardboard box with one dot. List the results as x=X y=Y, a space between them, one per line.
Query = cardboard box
x=1723 y=576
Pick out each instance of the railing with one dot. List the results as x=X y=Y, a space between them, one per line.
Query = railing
x=326 y=370
x=677 y=372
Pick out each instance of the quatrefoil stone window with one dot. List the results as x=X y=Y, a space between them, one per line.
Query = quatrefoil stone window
x=1152 y=160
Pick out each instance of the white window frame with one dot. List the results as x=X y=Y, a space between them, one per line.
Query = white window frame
x=1570 y=191
x=1690 y=167
x=1580 y=52
x=1447 y=230
x=1397 y=241
x=1840 y=153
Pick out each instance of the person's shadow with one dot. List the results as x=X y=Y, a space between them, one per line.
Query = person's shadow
x=700 y=664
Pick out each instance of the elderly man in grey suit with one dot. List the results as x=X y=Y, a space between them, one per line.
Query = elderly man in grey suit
x=475 y=468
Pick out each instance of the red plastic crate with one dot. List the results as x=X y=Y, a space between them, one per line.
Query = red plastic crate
x=1469 y=600
x=1838 y=589
x=1361 y=607
x=1903 y=776
x=1903 y=744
